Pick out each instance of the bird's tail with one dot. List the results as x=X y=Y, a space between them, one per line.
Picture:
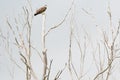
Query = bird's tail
x=35 y=14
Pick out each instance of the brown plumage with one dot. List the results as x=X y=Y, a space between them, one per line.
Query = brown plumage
x=41 y=10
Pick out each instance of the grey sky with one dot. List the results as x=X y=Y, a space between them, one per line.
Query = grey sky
x=58 y=39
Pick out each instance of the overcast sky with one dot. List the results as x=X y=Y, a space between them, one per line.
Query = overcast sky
x=58 y=39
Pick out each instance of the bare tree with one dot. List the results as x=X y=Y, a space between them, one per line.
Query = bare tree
x=101 y=57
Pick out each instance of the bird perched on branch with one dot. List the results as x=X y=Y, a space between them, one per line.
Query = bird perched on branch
x=41 y=10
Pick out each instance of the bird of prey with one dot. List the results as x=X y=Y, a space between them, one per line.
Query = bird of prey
x=41 y=10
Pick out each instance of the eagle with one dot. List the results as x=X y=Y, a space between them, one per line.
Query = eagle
x=41 y=10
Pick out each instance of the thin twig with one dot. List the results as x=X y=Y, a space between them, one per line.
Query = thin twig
x=59 y=73
x=37 y=53
x=49 y=70
x=56 y=26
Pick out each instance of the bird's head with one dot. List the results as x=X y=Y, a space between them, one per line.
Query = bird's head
x=45 y=5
